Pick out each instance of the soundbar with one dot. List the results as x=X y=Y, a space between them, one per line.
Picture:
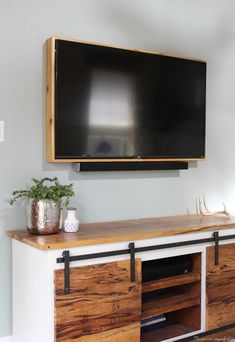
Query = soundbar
x=129 y=166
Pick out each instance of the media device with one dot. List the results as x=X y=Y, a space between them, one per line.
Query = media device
x=164 y=268
x=112 y=104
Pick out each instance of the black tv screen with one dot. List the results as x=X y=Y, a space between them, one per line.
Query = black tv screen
x=117 y=103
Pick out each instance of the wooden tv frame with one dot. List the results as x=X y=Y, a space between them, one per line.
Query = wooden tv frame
x=50 y=108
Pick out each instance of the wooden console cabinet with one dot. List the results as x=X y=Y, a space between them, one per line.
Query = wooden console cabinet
x=104 y=303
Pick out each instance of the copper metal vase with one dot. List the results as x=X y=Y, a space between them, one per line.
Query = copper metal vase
x=43 y=216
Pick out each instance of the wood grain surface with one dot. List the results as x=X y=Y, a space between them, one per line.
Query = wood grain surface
x=102 y=298
x=158 y=306
x=220 y=287
x=50 y=99
x=128 y=333
x=129 y=230
x=164 y=333
x=171 y=282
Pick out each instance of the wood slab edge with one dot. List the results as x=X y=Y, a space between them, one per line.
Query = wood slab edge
x=111 y=239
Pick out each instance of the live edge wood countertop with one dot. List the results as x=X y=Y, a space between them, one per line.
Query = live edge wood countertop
x=128 y=230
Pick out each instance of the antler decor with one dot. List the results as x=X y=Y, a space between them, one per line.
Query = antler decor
x=203 y=210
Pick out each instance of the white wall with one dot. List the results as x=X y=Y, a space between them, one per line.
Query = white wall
x=195 y=28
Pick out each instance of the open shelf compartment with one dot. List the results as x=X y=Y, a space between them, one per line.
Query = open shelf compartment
x=178 y=298
x=165 y=304
x=180 y=323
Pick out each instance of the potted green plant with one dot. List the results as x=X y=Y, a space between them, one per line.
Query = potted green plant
x=44 y=204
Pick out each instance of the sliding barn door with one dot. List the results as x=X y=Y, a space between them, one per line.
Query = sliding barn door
x=103 y=305
x=221 y=287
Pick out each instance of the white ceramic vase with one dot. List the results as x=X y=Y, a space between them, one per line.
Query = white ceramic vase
x=71 y=223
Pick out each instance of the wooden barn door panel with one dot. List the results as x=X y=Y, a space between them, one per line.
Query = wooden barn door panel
x=221 y=287
x=102 y=301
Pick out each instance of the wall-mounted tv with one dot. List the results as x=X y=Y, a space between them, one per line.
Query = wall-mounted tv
x=112 y=104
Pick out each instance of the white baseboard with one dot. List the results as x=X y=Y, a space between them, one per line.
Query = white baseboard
x=6 y=339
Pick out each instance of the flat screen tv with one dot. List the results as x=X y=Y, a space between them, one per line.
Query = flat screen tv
x=112 y=104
